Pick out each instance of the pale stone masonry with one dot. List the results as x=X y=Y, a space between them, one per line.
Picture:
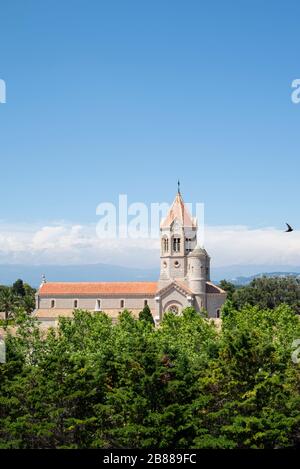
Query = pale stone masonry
x=184 y=281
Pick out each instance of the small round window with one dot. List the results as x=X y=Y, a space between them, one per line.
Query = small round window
x=176 y=264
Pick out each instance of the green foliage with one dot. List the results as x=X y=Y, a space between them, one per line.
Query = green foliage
x=91 y=383
x=28 y=303
x=9 y=301
x=268 y=292
x=145 y=315
x=20 y=295
x=18 y=288
x=228 y=287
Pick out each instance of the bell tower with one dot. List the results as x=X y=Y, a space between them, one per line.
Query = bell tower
x=178 y=236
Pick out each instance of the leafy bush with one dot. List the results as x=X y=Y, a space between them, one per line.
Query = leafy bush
x=94 y=384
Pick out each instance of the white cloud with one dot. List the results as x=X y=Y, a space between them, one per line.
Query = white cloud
x=72 y=244
x=240 y=245
x=63 y=243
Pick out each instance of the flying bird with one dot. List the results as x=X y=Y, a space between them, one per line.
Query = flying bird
x=289 y=228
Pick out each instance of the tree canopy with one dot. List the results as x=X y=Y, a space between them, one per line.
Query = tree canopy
x=19 y=295
x=95 y=384
x=265 y=292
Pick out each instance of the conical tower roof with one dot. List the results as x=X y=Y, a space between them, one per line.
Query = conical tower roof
x=178 y=211
x=199 y=251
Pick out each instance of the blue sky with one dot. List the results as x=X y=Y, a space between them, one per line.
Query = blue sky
x=126 y=96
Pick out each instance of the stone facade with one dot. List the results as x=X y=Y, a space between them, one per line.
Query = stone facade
x=184 y=281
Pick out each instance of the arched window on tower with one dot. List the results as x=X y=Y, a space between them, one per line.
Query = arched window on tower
x=176 y=244
x=218 y=313
x=165 y=244
x=188 y=245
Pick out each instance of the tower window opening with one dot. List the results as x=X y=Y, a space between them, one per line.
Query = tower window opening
x=75 y=303
x=188 y=245
x=145 y=302
x=165 y=245
x=52 y=303
x=98 y=305
x=176 y=244
x=122 y=302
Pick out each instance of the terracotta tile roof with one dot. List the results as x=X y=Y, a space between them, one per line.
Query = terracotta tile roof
x=97 y=288
x=110 y=288
x=180 y=212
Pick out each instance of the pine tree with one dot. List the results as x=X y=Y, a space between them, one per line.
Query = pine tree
x=145 y=315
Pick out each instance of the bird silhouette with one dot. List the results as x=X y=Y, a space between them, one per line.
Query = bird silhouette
x=290 y=229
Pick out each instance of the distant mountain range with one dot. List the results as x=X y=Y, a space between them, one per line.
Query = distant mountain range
x=246 y=280
x=74 y=273
x=239 y=275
